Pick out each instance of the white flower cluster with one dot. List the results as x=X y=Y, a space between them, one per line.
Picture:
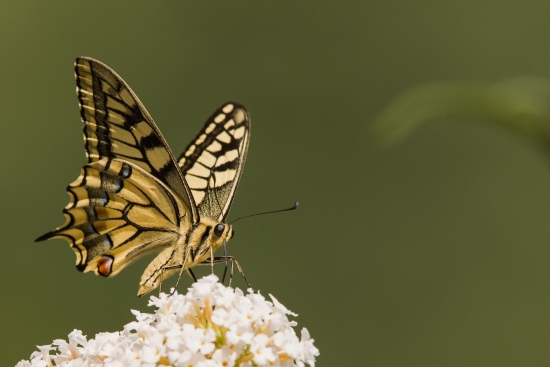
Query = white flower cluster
x=211 y=326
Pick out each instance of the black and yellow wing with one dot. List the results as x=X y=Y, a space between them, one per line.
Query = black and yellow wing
x=213 y=162
x=133 y=197
x=119 y=212
x=117 y=125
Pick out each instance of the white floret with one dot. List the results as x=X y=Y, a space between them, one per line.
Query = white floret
x=210 y=326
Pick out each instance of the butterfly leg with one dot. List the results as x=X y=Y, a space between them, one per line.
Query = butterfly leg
x=211 y=261
x=231 y=273
x=225 y=269
x=189 y=271
x=160 y=285
x=181 y=271
x=162 y=276
x=224 y=259
x=192 y=275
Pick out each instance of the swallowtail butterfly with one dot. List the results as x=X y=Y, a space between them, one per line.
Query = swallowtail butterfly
x=134 y=197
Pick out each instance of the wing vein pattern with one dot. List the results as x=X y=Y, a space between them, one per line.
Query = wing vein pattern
x=133 y=197
x=212 y=164
x=117 y=213
x=117 y=125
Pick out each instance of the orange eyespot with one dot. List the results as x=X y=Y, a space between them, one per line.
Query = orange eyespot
x=104 y=265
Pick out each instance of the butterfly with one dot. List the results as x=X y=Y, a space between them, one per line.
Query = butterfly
x=134 y=197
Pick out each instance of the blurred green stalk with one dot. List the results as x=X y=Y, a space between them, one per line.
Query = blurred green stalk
x=522 y=104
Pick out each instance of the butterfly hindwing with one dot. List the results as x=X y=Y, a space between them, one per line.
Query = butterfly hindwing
x=117 y=125
x=212 y=163
x=118 y=212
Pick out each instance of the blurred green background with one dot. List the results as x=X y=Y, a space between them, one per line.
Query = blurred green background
x=434 y=252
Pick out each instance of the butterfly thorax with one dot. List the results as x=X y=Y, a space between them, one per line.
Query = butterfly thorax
x=204 y=239
x=193 y=248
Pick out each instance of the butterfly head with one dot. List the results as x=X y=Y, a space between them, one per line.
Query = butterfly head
x=210 y=234
x=222 y=229
x=219 y=233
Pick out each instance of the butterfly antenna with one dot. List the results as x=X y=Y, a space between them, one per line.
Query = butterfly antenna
x=295 y=206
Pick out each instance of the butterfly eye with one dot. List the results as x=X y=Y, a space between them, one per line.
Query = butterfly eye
x=218 y=231
x=232 y=232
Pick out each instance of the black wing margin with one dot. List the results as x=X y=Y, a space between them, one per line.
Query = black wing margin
x=117 y=125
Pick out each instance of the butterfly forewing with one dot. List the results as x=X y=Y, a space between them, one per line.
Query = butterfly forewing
x=117 y=125
x=213 y=162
